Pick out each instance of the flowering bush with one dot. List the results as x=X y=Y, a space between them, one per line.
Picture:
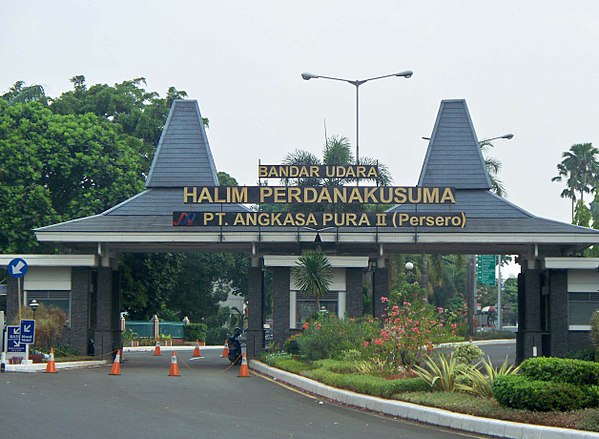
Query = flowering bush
x=406 y=335
x=331 y=337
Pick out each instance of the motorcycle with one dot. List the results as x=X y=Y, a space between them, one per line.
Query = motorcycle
x=235 y=347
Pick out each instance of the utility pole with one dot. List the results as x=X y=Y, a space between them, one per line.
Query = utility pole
x=470 y=279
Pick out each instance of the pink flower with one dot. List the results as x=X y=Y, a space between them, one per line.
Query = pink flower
x=384 y=299
x=378 y=342
x=366 y=344
x=305 y=325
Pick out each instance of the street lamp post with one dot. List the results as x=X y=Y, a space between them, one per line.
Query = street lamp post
x=33 y=305
x=357 y=83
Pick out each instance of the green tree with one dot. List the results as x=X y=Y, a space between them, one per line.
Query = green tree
x=148 y=281
x=579 y=168
x=313 y=275
x=59 y=167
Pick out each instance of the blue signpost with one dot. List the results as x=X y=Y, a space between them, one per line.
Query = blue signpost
x=27 y=331
x=17 y=268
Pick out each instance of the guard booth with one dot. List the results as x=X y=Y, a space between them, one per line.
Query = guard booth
x=466 y=218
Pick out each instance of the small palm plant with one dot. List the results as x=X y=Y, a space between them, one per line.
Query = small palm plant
x=441 y=374
x=479 y=379
x=313 y=275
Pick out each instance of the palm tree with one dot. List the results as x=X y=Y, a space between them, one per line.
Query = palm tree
x=336 y=151
x=493 y=167
x=313 y=275
x=579 y=166
x=21 y=93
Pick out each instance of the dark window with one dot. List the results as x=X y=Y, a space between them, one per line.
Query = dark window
x=581 y=307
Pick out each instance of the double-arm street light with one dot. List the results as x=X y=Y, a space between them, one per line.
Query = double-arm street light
x=357 y=83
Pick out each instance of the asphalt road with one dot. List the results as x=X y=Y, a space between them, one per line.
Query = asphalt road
x=208 y=400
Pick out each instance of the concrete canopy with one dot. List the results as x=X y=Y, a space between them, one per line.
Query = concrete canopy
x=183 y=158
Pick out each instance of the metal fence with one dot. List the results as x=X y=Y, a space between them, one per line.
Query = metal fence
x=146 y=329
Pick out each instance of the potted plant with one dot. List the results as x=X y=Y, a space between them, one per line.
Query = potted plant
x=167 y=339
x=131 y=338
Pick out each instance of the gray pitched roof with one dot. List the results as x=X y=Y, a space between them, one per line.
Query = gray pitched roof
x=183 y=156
x=453 y=157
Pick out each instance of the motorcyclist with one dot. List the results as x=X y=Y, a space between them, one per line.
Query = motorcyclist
x=235 y=346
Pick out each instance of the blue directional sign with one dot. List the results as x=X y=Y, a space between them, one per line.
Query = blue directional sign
x=27 y=331
x=14 y=339
x=17 y=268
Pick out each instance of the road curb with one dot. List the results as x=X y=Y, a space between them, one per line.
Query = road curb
x=427 y=415
x=41 y=367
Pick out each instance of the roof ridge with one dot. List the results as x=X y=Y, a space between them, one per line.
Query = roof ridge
x=453 y=157
x=183 y=156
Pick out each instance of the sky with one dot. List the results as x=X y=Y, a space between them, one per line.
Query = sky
x=530 y=68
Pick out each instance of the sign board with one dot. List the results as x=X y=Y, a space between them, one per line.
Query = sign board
x=486 y=269
x=27 y=331
x=16 y=352
x=17 y=268
x=14 y=339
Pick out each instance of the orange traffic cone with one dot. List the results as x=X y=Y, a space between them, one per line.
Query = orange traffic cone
x=157 y=349
x=225 y=353
x=196 y=351
x=116 y=364
x=51 y=366
x=243 y=369
x=174 y=371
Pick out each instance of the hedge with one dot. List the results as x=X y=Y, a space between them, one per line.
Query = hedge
x=195 y=331
x=520 y=392
x=561 y=370
x=369 y=385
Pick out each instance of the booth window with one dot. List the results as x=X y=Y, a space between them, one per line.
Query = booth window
x=580 y=309
x=306 y=306
x=59 y=299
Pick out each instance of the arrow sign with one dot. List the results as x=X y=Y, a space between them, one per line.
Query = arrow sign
x=17 y=268
x=27 y=331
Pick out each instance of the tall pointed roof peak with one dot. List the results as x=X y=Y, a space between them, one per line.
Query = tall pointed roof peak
x=453 y=157
x=183 y=156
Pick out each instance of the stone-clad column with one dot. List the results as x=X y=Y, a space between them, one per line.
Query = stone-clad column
x=353 y=287
x=107 y=334
x=529 y=315
x=280 y=298
x=80 y=295
x=380 y=287
x=255 y=331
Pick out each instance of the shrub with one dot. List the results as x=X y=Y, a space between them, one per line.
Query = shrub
x=561 y=370
x=467 y=353
x=493 y=334
x=217 y=335
x=407 y=333
x=520 y=392
x=595 y=330
x=195 y=331
x=588 y=354
x=329 y=337
x=49 y=323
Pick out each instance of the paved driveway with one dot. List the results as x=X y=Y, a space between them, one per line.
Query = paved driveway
x=208 y=400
